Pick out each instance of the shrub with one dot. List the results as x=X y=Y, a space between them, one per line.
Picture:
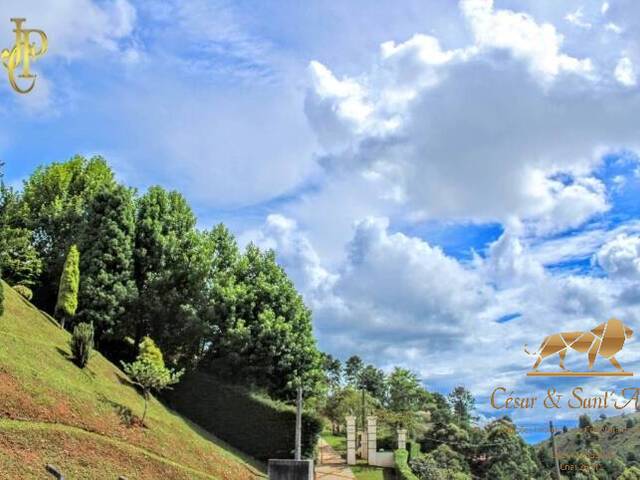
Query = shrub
x=414 y=449
x=82 y=343
x=258 y=426
x=149 y=371
x=1 y=297
x=67 y=303
x=25 y=292
x=403 y=472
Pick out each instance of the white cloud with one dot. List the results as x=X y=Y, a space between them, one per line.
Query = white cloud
x=620 y=257
x=577 y=18
x=625 y=72
x=397 y=300
x=519 y=33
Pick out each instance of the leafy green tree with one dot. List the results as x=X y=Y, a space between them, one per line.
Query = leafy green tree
x=345 y=401
x=107 y=286
x=67 y=303
x=404 y=391
x=169 y=265
x=507 y=455
x=149 y=371
x=19 y=259
x=631 y=473
x=462 y=403
x=263 y=333
x=56 y=199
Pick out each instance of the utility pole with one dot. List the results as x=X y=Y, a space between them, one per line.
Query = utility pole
x=555 y=451
x=299 y=424
x=363 y=413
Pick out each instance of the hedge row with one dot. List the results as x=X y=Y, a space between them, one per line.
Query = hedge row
x=403 y=472
x=255 y=425
x=414 y=449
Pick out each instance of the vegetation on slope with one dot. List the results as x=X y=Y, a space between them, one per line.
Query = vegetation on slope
x=86 y=421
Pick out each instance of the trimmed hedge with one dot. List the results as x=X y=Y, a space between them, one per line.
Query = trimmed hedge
x=255 y=425
x=414 y=449
x=403 y=472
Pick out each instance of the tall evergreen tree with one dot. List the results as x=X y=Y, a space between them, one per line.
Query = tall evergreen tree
x=169 y=274
x=107 y=287
x=55 y=198
x=67 y=303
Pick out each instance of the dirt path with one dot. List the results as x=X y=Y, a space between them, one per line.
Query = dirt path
x=331 y=466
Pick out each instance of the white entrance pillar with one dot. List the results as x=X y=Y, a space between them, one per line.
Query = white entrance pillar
x=351 y=440
x=402 y=438
x=372 y=427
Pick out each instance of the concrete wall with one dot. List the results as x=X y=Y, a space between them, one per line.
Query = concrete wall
x=291 y=470
x=382 y=459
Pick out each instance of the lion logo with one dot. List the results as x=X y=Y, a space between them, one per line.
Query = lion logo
x=606 y=340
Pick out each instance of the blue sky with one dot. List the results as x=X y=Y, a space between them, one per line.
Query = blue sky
x=444 y=181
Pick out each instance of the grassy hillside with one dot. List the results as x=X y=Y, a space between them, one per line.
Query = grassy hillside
x=52 y=412
x=614 y=437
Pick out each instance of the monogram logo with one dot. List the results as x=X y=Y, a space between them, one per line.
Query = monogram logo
x=21 y=55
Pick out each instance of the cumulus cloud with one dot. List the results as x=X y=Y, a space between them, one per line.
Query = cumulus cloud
x=519 y=33
x=398 y=300
x=620 y=258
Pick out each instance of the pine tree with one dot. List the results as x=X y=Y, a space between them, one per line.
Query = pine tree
x=107 y=286
x=69 y=283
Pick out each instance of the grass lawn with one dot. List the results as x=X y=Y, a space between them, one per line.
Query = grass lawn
x=85 y=421
x=337 y=442
x=366 y=472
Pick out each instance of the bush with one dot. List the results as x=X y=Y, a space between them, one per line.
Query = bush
x=258 y=426
x=414 y=449
x=25 y=292
x=403 y=472
x=1 y=297
x=82 y=343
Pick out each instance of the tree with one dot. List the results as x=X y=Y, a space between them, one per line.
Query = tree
x=56 y=199
x=67 y=303
x=462 y=403
x=372 y=380
x=19 y=259
x=149 y=371
x=343 y=402
x=507 y=456
x=169 y=265
x=352 y=370
x=263 y=334
x=404 y=391
x=631 y=473
x=333 y=372
x=107 y=286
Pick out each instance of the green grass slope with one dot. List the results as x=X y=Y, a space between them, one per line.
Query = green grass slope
x=52 y=412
